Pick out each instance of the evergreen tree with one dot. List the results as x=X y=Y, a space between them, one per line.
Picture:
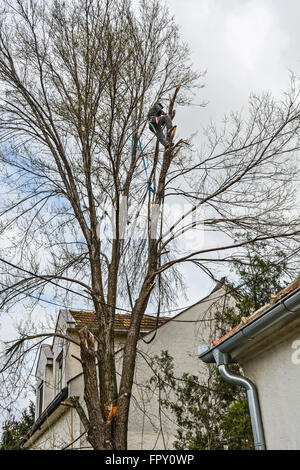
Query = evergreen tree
x=14 y=430
x=261 y=275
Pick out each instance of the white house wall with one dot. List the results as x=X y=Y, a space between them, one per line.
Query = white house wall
x=44 y=374
x=55 y=435
x=276 y=373
x=180 y=339
x=60 y=346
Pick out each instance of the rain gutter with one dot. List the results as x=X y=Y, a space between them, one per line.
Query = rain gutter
x=289 y=306
x=220 y=354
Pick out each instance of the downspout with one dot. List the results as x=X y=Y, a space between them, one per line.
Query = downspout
x=222 y=361
x=71 y=425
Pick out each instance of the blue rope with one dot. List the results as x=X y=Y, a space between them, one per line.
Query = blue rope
x=142 y=153
x=143 y=158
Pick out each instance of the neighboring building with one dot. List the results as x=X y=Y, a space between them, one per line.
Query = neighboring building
x=59 y=375
x=267 y=346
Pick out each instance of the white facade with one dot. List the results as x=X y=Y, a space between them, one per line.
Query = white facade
x=148 y=429
x=272 y=362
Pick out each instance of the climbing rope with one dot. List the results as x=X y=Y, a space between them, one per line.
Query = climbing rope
x=143 y=158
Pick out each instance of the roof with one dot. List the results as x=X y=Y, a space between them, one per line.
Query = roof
x=275 y=298
x=61 y=396
x=47 y=350
x=122 y=321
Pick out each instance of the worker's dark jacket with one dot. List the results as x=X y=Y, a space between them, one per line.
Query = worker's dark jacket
x=156 y=110
x=156 y=125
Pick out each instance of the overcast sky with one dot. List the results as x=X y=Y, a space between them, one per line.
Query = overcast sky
x=245 y=46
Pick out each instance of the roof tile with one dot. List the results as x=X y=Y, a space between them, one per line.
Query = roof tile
x=274 y=299
x=122 y=321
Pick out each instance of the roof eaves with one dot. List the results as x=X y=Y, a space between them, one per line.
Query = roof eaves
x=62 y=395
x=287 y=305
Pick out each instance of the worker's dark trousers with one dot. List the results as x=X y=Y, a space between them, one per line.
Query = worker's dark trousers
x=156 y=128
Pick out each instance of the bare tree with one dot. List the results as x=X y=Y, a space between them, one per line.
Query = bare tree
x=77 y=82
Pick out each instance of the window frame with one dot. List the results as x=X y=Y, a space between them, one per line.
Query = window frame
x=59 y=371
x=40 y=398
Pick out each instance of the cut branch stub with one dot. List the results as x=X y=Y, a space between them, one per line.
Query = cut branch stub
x=87 y=341
x=110 y=411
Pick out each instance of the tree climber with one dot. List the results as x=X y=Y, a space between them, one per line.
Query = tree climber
x=157 y=120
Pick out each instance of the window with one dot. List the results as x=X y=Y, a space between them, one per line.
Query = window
x=40 y=398
x=59 y=372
